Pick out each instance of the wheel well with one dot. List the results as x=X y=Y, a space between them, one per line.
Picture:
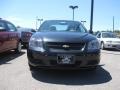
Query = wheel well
x=20 y=40
x=102 y=42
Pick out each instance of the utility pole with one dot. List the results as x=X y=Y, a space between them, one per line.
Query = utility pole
x=73 y=8
x=113 y=24
x=91 y=19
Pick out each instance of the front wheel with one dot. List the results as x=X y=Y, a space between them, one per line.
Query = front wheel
x=25 y=46
x=18 y=49
x=32 y=68
x=102 y=46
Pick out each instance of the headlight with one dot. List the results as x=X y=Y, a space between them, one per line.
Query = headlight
x=36 y=44
x=93 y=45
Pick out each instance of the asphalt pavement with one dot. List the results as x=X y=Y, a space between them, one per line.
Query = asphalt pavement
x=15 y=74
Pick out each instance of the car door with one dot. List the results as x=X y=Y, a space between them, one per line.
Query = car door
x=3 y=37
x=13 y=36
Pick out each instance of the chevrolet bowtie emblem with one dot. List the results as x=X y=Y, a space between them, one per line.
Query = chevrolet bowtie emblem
x=65 y=46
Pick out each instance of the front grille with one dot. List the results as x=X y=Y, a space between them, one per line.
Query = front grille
x=115 y=41
x=26 y=34
x=65 y=46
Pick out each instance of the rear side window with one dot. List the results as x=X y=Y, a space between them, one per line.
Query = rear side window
x=11 y=27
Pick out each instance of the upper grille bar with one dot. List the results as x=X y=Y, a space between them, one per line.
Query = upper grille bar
x=61 y=45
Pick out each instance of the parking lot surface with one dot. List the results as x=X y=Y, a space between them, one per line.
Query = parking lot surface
x=15 y=75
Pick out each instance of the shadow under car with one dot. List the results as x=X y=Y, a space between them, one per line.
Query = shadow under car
x=8 y=56
x=73 y=77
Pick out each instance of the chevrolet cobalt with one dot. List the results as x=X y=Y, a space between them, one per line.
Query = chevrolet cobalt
x=63 y=44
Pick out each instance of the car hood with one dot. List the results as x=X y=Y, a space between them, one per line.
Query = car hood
x=111 y=39
x=64 y=36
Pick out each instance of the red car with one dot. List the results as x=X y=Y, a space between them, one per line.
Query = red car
x=9 y=37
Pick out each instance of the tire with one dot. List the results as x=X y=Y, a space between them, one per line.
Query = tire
x=19 y=47
x=102 y=46
x=32 y=68
x=25 y=46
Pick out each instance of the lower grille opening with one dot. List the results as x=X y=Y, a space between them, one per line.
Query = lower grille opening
x=78 y=63
x=93 y=62
x=54 y=62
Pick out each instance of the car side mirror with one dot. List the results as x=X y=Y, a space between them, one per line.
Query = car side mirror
x=2 y=29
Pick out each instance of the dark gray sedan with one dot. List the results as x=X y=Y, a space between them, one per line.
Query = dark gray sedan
x=63 y=44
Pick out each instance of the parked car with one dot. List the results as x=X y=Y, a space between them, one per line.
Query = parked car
x=63 y=44
x=9 y=37
x=108 y=40
x=25 y=34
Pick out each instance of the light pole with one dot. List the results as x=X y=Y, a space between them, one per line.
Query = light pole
x=37 y=19
x=91 y=19
x=36 y=23
x=113 y=24
x=73 y=8
x=40 y=20
x=83 y=22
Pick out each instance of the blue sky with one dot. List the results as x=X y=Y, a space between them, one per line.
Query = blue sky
x=24 y=12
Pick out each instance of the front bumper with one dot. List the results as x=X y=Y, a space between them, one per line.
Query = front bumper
x=25 y=40
x=112 y=46
x=49 y=60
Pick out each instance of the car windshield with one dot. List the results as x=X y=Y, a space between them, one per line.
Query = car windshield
x=62 y=26
x=109 y=35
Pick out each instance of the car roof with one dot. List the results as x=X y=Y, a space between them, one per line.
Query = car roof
x=4 y=20
x=62 y=21
x=106 y=32
x=24 y=29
